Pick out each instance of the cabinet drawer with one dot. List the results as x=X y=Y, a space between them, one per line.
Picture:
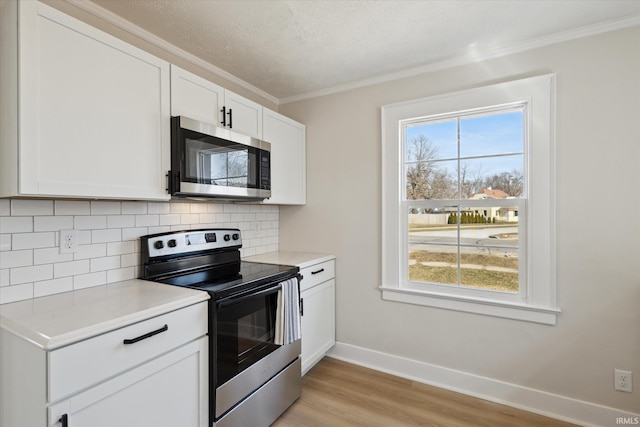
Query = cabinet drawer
x=317 y=274
x=88 y=362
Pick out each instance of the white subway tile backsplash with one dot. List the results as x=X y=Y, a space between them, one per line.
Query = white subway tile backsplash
x=4 y=277
x=5 y=242
x=5 y=207
x=120 y=274
x=106 y=208
x=55 y=286
x=147 y=220
x=120 y=248
x=16 y=224
x=31 y=207
x=16 y=293
x=90 y=222
x=72 y=207
x=34 y=273
x=82 y=281
x=71 y=268
x=33 y=240
x=16 y=259
x=103 y=236
x=105 y=263
x=52 y=223
x=121 y=221
x=109 y=239
x=50 y=256
x=94 y=250
x=134 y=208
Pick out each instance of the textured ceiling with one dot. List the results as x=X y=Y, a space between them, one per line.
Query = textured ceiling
x=288 y=48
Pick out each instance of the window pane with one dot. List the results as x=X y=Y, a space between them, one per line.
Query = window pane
x=492 y=134
x=431 y=180
x=501 y=176
x=428 y=226
x=489 y=268
x=432 y=141
x=434 y=264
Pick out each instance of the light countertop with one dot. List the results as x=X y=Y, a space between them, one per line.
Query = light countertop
x=61 y=319
x=299 y=259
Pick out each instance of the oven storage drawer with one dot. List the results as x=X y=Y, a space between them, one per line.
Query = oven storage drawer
x=88 y=362
x=317 y=274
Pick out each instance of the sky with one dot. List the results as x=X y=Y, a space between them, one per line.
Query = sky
x=489 y=135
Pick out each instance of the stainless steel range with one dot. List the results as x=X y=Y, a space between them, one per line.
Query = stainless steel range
x=254 y=321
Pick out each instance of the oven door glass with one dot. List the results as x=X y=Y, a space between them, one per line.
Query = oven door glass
x=245 y=331
x=215 y=161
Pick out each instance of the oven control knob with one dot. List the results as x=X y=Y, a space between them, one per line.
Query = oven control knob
x=172 y=243
x=227 y=237
x=158 y=244
x=236 y=236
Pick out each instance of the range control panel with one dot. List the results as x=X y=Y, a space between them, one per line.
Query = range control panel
x=183 y=242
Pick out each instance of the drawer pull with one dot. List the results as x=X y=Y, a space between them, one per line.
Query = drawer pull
x=148 y=335
x=317 y=272
x=64 y=420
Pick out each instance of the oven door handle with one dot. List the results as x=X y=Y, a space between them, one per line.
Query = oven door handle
x=226 y=302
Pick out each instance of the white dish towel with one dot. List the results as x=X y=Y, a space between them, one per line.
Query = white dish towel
x=288 y=313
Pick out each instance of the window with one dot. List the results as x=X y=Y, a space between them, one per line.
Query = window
x=468 y=201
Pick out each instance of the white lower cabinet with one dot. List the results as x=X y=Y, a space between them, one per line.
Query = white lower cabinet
x=317 y=291
x=166 y=391
x=152 y=373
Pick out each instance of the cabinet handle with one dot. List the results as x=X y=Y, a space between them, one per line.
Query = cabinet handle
x=64 y=420
x=230 y=118
x=319 y=271
x=224 y=117
x=148 y=335
x=301 y=306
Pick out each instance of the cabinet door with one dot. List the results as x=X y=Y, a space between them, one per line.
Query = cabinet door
x=246 y=115
x=195 y=97
x=170 y=391
x=94 y=111
x=288 y=158
x=318 y=323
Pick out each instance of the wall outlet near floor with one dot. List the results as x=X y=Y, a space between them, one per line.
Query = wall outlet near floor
x=623 y=380
x=68 y=241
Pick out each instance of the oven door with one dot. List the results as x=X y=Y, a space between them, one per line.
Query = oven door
x=211 y=161
x=245 y=331
x=244 y=343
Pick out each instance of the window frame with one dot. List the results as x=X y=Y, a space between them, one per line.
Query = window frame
x=535 y=303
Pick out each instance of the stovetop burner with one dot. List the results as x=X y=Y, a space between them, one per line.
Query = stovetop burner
x=208 y=260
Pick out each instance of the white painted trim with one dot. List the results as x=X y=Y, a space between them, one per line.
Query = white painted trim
x=473 y=57
x=514 y=395
x=113 y=19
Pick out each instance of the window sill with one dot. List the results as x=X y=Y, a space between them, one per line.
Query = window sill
x=527 y=313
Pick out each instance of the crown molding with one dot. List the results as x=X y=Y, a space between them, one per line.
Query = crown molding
x=121 y=23
x=474 y=57
x=468 y=58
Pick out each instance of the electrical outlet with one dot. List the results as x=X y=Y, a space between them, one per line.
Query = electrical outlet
x=623 y=380
x=68 y=241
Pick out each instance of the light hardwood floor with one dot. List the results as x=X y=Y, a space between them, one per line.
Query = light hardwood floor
x=337 y=393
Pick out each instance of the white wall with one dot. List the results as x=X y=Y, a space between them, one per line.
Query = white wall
x=109 y=239
x=598 y=275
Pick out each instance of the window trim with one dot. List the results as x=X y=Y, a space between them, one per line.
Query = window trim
x=539 y=303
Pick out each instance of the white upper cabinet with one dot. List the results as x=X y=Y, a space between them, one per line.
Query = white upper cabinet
x=288 y=158
x=195 y=97
x=92 y=111
x=243 y=115
x=199 y=99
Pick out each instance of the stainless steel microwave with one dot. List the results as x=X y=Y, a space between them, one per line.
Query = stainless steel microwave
x=208 y=161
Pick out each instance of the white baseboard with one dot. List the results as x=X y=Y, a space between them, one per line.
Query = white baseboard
x=528 y=399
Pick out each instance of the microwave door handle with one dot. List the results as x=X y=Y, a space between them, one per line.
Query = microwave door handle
x=226 y=302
